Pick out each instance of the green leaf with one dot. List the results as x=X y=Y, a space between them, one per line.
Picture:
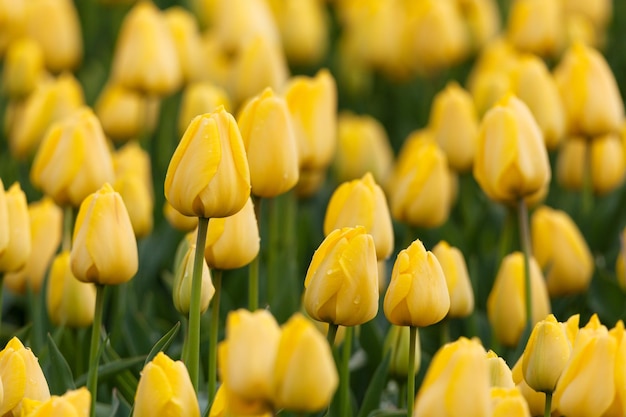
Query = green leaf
x=126 y=382
x=163 y=342
x=387 y=413
x=110 y=369
x=61 y=378
x=375 y=387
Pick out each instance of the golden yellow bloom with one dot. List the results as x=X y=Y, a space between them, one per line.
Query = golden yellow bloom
x=104 y=249
x=560 y=249
x=73 y=160
x=482 y=19
x=74 y=403
x=145 y=56
x=165 y=389
x=608 y=163
x=305 y=376
x=570 y=163
x=177 y=220
x=500 y=375
x=46 y=228
x=181 y=291
x=417 y=294
x=17 y=250
x=590 y=95
x=265 y=123
x=208 y=175
x=618 y=406
x=456 y=382
x=199 y=98
x=69 y=302
x=183 y=27
x=222 y=407
x=536 y=400
x=12 y=22
x=511 y=160
x=506 y=302
x=508 y=402
x=20 y=377
x=536 y=26
x=457 y=279
x=596 y=14
x=122 y=112
x=23 y=68
x=397 y=344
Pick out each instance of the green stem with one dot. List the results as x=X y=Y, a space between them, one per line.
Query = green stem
x=193 y=336
x=445 y=331
x=215 y=322
x=332 y=334
x=526 y=249
x=410 y=381
x=401 y=393
x=253 y=284
x=68 y=225
x=587 y=191
x=344 y=374
x=548 y=408
x=274 y=234
x=94 y=349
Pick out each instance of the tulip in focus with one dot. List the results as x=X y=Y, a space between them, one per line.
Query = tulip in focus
x=23 y=68
x=16 y=252
x=457 y=279
x=508 y=402
x=74 y=403
x=181 y=290
x=397 y=344
x=165 y=389
x=199 y=98
x=536 y=26
x=500 y=375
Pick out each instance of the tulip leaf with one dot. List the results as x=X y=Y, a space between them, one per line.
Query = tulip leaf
x=375 y=387
x=61 y=378
x=126 y=382
x=112 y=368
x=163 y=342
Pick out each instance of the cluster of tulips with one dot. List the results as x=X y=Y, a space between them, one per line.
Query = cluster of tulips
x=147 y=152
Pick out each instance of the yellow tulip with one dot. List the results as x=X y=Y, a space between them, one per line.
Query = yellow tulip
x=104 y=249
x=417 y=294
x=598 y=13
x=590 y=95
x=508 y=402
x=397 y=344
x=305 y=376
x=73 y=160
x=122 y=112
x=511 y=160
x=12 y=22
x=608 y=163
x=506 y=301
x=23 y=68
x=221 y=406
x=265 y=123
x=536 y=400
x=536 y=26
x=199 y=98
x=560 y=249
x=165 y=389
x=310 y=182
x=500 y=375
x=456 y=382
x=341 y=284
x=181 y=290
x=74 y=403
x=21 y=377
x=177 y=220
x=482 y=19
x=46 y=228
x=570 y=163
x=208 y=175
x=457 y=279
x=618 y=406
x=183 y=27
x=17 y=250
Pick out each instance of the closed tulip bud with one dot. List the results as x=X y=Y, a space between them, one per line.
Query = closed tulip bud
x=397 y=344
x=362 y=146
x=145 y=56
x=482 y=18
x=165 y=389
x=208 y=175
x=46 y=228
x=457 y=279
x=200 y=98
x=608 y=163
x=591 y=98
x=417 y=294
x=618 y=406
x=362 y=202
x=536 y=400
x=181 y=291
x=341 y=284
x=598 y=13
x=186 y=35
x=536 y=26
x=177 y=220
x=21 y=377
x=508 y=402
x=234 y=241
x=98 y=255
x=420 y=194
x=221 y=407
x=23 y=68
x=505 y=304
x=586 y=386
x=500 y=374
x=560 y=249
x=74 y=403
x=305 y=376
x=456 y=382
x=570 y=163
x=312 y=102
x=17 y=251
x=265 y=123
x=12 y=22
x=69 y=302
x=122 y=112
x=511 y=160
x=458 y=139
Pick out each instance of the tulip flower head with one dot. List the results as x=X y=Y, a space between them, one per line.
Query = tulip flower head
x=397 y=344
x=17 y=234
x=74 y=403
x=182 y=283
x=500 y=375
x=508 y=402
x=457 y=279
x=23 y=68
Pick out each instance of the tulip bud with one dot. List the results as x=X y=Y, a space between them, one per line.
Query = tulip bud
x=186 y=36
x=208 y=175
x=46 y=228
x=536 y=26
x=221 y=406
x=12 y=22
x=177 y=220
x=608 y=163
x=511 y=160
x=456 y=382
x=598 y=14
x=265 y=123
x=98 y=255
x=482 y=19
x=73 y=160
x=508 y=402
x=75 y=403
x=570 y=163
x=397 y=344
x=618 y=406
x=199 y=98
x=21 y=377
x=23 y=68
x=506 y=302
x=500 y=375
x=457 y=279
x=341 y=284
x=417 y=294
x=310 y=182
x=17 y=250
x=536 y=400
x=122 y=112
x=560 y=249
x=165 y=389
x=181 y=290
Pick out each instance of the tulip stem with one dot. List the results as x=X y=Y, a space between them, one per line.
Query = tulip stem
x=193 y=337
x=344 y=374
x=68 y=225
x=94 y=348
x=253 y=269
x=332 y=333
x=215 y=322
x=526 y=249
x=410 y=390
x=548 y=408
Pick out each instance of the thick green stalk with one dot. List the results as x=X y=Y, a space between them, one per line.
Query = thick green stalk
x=344 y=374
x=332 y=334
x=548 y=408
x=193 y=337
x=410 y=381
x=526 y=249
x=215 y=323
x=94 y=348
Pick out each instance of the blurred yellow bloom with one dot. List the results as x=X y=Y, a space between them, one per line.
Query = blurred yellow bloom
x=199 y=98
x=165 y=389
x=500 y=375
x=12 y=22
x=218 y=62
x=20 y=377
x=309 y=182
x=482 y=19
x=597 y=14
x=181 y=291
x=561 y=251
x=23 y=68
x=46 y=228
x=508 y=402
x=457 y=279
x=417 y=294
x=183 y=27
x=618 y=406
x=536 y=26
x=536 y=400
x=104 y=249
x=16 y=252
x=511 y=160
x=341 y=284
x=74 y=403
x=177 y=220
x=506 y=302
x=266 y=124
x=570 y=163
x=73 y=160
x=397 y=344
x=123 y=112
x=208 y=175
x=456 y=382
x=221 y=406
